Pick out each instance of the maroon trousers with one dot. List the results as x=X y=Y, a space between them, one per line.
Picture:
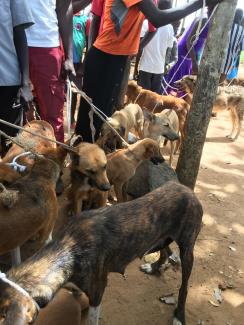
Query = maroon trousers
x=45 y=74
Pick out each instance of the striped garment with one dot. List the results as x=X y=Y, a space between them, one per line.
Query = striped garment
x=235 y=45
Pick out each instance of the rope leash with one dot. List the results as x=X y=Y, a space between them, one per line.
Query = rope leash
x=17 y=167
x=14 y=285
x=195 y=37
x=68 y=106
x=32 y=133
x=99 y=113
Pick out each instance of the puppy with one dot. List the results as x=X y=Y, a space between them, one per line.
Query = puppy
x=88 y=175
x=123 y=163
x=228 y=98
x=127 y=119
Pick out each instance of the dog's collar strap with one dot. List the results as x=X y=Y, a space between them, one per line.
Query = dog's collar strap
x=17 y=167
x=14 y=285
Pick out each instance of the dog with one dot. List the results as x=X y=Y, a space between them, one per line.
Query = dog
x=127 y=119
x=29 y=206
x=228 y=98
x=65 y=308
x=88 y=177
x=7 y=174
x=164 y=124
x=36 y=143
x=122 y=164
x=156 y=103
x=101 y=241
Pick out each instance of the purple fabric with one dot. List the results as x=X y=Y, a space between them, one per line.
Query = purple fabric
x=186 y=67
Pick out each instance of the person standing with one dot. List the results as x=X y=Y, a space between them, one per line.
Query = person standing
x=152 y=62
x=49 y=66
x=107 y=58
x=234 y=48
x=15 y=17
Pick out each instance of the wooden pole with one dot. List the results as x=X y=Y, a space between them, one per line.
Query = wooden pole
x=205 y=93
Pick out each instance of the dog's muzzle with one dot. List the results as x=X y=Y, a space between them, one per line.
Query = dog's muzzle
x=104 y=187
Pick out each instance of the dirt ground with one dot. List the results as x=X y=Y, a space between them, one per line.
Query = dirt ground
x=220 y=188
x=219 y=251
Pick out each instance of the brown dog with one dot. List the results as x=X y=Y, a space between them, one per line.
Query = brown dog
x=228 y=98
x=29 y=206
x=156 y=103
x=65 y=308
x=127 y=119
x=101 y=241
x=123 y=163
x=88 y=177
x=36 y=143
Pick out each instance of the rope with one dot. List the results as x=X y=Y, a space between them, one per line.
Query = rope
x=68 y=106
x=99 y=113
x=14 y=285
x=32 y=133
x=195 y=37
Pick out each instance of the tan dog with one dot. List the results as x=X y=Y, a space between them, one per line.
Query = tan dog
x=161 y=126
x=228 y=98
x=123 y=163
x=127 y=119
x=29 y=206
x=88 y=174
x=65 y=308
x=38 y=144
x=156 y=103
x=7 y=174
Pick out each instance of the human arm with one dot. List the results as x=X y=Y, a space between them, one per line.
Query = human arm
x=65 y=22
x=164 y=17
x=21 y=48
x=171 y=57
x=190 y=48
x=94 y=29
x=79 y=5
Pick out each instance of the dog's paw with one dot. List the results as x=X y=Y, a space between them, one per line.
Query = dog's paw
x=176 y=321
x=146 y=268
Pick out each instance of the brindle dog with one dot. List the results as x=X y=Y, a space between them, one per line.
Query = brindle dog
x=101 y=241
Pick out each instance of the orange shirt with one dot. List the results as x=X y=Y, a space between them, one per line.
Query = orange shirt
x=128 y=40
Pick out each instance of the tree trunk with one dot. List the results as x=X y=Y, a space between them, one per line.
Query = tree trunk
x=205 y=93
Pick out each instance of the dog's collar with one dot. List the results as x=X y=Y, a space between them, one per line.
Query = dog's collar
x=14 y=285
x=17 y=167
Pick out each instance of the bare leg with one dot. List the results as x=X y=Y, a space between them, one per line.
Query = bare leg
x=15 y=256
x=93 y=315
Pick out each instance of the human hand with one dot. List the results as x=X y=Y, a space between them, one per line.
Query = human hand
x=68 y=68
x=26 y=93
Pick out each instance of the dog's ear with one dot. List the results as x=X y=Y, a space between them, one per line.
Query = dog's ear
x=75 y=140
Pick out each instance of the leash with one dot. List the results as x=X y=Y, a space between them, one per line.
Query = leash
x=195 y=37
x=99 y=113
x=68 y=106
x=32 y=133
x=14 y=285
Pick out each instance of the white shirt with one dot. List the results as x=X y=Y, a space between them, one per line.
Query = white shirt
x=153 y=55
x=45 y=32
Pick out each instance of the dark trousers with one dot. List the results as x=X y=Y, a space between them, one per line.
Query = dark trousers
x=8 y=95
x=150 y=81
x=103 y=74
